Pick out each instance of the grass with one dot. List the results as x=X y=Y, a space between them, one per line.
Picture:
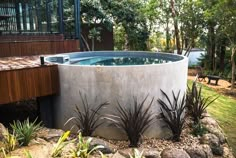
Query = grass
x=224 y=111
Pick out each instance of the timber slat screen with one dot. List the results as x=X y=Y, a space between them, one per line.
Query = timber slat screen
x=26 y=45
x=22 y=84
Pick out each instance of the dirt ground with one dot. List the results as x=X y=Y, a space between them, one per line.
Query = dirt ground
x=223 y=86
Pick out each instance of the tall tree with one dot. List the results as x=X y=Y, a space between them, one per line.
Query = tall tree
x=227 y=18
x=175 y=15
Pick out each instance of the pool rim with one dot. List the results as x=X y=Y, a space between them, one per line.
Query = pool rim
x=146 y=52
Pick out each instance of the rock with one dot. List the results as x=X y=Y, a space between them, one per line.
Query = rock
x=210 y=139
x=227 y=153
x=117 y=155
x=174 y=153
x=196 y=152
x=2 y=131
x=217 y=150
x=108 y=147
x=209 y=121
x=36 y=151
x=207 y=149
x=50 y=134
x=151 y=153
x=218 y=133
x=126 y=152
x=214 y=142
x=200 y=151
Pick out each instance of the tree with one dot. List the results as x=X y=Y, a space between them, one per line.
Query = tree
x=176 y=26
x=128 y=14
x=227 y=18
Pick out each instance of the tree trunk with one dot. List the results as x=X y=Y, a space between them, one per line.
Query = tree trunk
x=177 y=37
x=233 y=68
x=211 y=45
x=222 y=57
x=126 y=42
x=93 y=44
x=167 y=34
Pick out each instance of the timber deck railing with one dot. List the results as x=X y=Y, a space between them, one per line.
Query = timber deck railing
x=27 y=45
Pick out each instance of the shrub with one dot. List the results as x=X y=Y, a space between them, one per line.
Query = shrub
x=9 y=141
x=88 y=119
x=199 y=130
x=61 y=143
x=134 y=121
x=25 y=131
x=173 y=113
x=83 y=148
x=198 y=103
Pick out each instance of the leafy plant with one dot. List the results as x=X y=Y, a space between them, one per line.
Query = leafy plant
x=173 y=113
x=198 y=103
x=25 y=131
x=134 y=121
x=83 y=148
x=27 y=154
x=136 y=154
x=87 y=121
x=9 y=141
x=61 y=143
x=199 y=130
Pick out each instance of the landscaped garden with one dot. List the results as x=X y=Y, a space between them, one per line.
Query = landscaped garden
x=224 y=111
x=130 y=102
x=192 y=132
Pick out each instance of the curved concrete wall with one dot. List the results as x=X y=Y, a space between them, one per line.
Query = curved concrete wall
x=122 y=83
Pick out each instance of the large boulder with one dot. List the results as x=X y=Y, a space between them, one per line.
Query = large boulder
x=108 y=147
x=202 y=151
x=209 y=121
x=50 y=135
x=174 y=153
x=214 y=142
x=151 y=153
x=36 y=151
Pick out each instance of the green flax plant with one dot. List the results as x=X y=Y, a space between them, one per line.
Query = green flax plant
x=88 y=118
x=25 y=131
x=173 y=113
x=134 y=120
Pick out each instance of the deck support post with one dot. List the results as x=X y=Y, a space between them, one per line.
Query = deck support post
x=46 y=110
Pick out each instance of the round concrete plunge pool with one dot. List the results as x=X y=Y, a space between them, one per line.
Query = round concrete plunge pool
x=117 y=76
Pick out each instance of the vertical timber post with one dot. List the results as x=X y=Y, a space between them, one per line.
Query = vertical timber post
x=45 y=105
x=48 y=12
x=60 y=16
x=38 y=13
x=31 y=15
x=77 y=19
x=18 y=19
x=24 y=15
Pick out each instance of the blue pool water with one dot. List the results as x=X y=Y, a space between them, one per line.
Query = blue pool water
x=116 y=61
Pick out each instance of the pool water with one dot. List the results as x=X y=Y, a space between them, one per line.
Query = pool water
x=116 y=61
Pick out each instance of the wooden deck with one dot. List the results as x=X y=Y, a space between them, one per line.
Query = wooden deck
x=25 y=82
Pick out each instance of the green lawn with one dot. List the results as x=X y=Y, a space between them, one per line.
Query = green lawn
x=224 y=111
